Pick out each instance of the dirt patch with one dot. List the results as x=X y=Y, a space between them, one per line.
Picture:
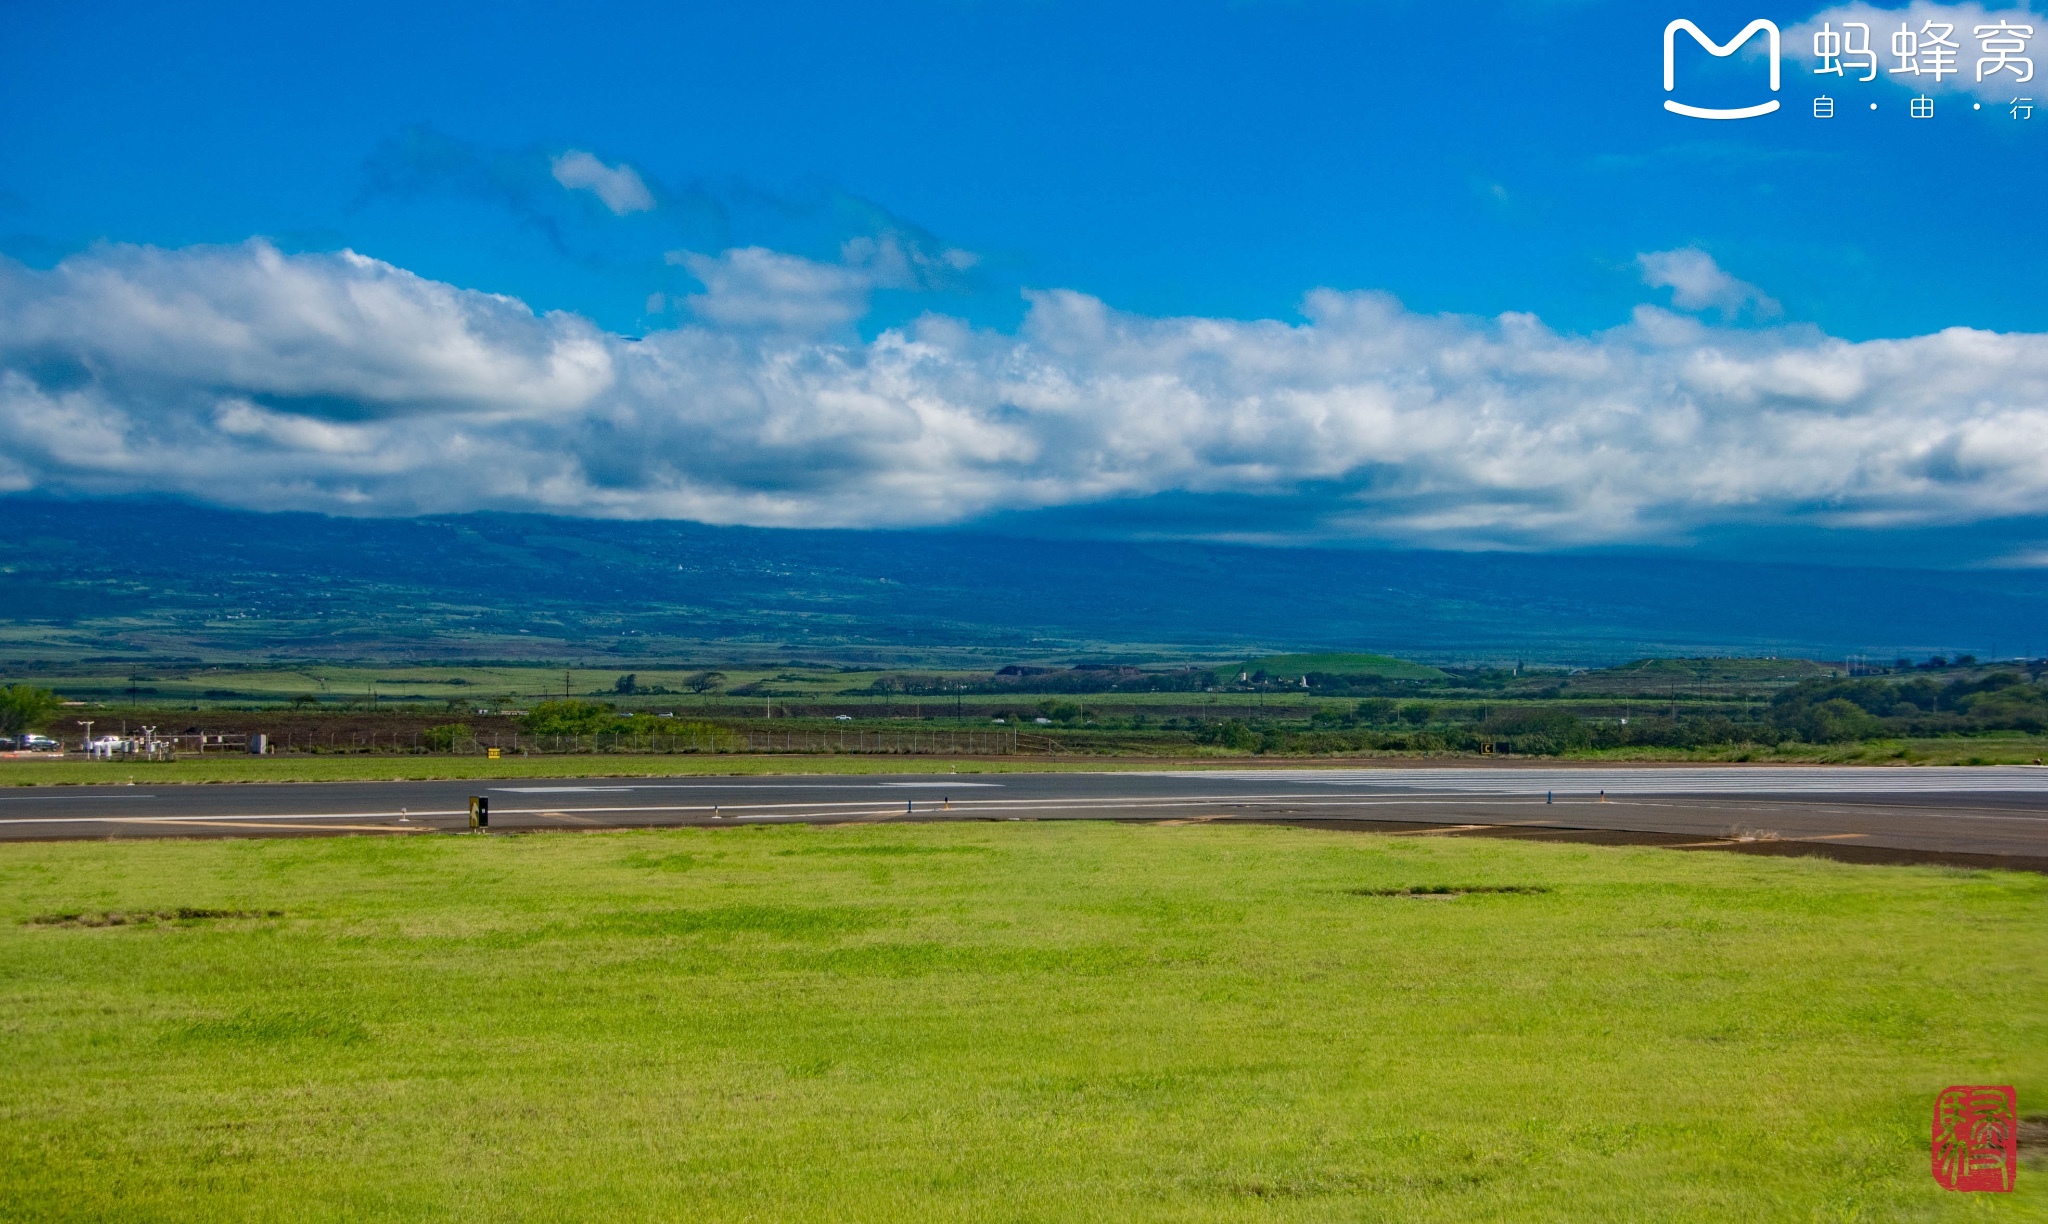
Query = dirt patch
x=1888 y=856
x=112 y=918
x=1451 y=890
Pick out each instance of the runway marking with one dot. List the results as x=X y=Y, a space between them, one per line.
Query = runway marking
x=934 y=785
x=230 y=824
x=1690 y=780
x=799 y=809
x=229 y=818
x=808 y=807
x=779 y=810
x=559 y=815
x=734 y=784
x=1241 y=801
x=67 y=798
x=561 y=790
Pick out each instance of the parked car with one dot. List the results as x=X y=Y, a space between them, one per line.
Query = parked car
x=36 y=743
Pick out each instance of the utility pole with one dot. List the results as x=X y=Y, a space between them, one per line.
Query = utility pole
x=565 y=684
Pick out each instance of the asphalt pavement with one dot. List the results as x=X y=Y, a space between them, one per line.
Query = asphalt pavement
x=1945 y=814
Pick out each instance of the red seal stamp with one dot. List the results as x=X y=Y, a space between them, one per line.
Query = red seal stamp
x=1976 y=1138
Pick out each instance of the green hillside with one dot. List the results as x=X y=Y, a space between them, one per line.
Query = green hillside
x=1664 y=677
x=1385 y=667
x=1726 y=669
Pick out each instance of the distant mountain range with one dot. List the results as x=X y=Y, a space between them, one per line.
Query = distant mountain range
x=118 y=579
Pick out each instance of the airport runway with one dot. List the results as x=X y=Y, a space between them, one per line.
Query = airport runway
x=1958 y=813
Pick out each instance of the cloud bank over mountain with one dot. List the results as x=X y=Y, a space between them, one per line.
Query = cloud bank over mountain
x=246 y=377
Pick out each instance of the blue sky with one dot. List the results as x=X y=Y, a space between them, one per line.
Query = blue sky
x=900 y=170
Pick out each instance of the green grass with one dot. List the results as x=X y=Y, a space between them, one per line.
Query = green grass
x=230 y=767
x=999 y=1021
x=171 y=683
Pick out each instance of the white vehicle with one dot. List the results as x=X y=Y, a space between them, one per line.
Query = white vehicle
x=842 y=718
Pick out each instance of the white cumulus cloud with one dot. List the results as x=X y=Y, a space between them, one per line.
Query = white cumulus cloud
x=1698 y=283
x=752 y=287
x=619 y=187
x=246 y=377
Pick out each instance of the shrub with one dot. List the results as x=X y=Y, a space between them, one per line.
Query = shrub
x=444 y=738
x=569 y=717
x=1537 y=732
x=1835 y=721
x=26 y=708
x=1233 y=733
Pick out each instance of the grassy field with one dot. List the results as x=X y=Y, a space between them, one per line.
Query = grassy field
x=998 y=1021
x=172 y=686
x=486 y=684
x=229 y=767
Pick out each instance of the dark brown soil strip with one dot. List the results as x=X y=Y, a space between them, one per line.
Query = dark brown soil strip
x=1888 y=856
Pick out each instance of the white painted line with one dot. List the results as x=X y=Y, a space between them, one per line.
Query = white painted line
x=934 y=785
x=67 y=798
x=1687 y=780
x=964 y=808
x=393 y=815
x=228 y=824
x=727 y=785
x=564 y=790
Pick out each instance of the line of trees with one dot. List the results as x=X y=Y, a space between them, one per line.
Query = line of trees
x=1823 y=711
x=1831 y=711
x=579 y=717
